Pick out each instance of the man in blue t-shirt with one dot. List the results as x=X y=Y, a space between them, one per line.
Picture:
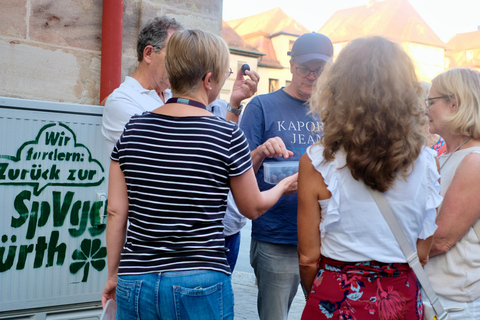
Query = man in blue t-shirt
x=278 y=127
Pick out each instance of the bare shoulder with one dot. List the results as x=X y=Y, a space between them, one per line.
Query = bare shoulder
x=312 y=179
x=471 y=162
x=468 y=172
x=305 y=161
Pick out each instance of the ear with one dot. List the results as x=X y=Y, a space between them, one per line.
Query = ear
x=147 y=53
x=208 y=81
x=454 y=103
x=292 y=65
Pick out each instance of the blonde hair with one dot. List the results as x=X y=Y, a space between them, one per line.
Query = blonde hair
x=462 y=86
x=190 y=55
x=370 y=105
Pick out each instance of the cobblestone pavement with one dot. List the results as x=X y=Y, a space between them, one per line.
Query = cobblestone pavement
x=245 y=292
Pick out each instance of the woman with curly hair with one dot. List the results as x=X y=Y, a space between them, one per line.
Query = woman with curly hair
x=373 y=137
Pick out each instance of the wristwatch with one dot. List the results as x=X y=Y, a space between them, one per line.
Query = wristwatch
x=236 y=111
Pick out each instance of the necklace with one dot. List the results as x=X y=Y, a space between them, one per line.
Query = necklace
x=187 y=101
x=454 y=151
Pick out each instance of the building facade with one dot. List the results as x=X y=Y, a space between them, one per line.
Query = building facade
x=396 y=20
x=272 y=33
x=463 y=50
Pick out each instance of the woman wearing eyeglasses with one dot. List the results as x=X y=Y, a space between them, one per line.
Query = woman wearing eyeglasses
x=454 y=267
x=434 y=140
x=170 y=174
x=374 y=137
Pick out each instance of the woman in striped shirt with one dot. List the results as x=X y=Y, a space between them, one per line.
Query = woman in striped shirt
x=170 y=174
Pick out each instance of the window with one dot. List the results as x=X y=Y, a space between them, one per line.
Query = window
x=272 y=85
x=287 y=83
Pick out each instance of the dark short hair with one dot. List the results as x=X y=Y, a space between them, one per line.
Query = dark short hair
x=155 y=34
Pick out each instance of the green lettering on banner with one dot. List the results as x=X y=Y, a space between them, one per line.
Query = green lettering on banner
x=54 y=158
x=37 y=162
x=22 y=257
x=75 y=219
x=60 y=209
x=10 y=256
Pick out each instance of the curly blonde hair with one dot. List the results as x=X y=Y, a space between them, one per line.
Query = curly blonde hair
x=370 y=103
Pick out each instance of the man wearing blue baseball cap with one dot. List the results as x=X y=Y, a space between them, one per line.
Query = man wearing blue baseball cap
x=278 y=127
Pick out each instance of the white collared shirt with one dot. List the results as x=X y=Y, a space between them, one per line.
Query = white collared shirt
x=124 y=102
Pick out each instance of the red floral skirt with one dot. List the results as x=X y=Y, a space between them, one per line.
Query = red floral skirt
x=364 y=290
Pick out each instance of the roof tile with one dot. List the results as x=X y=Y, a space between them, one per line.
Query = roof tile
x=234 y=40
x=267 y=23
x=393 y=19
x=465 y=41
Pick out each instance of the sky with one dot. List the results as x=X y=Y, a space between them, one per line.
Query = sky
x=445 y=17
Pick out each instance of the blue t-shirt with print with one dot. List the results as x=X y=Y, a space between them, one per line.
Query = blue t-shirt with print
x=267 y=116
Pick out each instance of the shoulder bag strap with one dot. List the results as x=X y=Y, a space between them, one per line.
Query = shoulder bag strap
x=409 y=253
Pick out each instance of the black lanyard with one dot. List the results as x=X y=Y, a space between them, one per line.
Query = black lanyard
x=187 y=101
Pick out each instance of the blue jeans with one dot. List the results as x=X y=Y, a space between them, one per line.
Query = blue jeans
x=276 y=269
x=197 y=294
x=232 y=243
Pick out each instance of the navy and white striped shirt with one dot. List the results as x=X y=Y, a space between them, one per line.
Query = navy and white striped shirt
x=177 y=172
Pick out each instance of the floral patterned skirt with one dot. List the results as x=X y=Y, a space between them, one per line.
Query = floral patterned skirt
x=364 y=290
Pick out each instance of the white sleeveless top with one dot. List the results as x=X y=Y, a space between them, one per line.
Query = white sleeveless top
x=456 y=273
x=353 y=228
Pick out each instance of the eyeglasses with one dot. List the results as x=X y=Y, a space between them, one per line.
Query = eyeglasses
x=304 y=72
x=430 y=101
x=228 y=73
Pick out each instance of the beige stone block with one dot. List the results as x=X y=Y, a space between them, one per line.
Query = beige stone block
x=73 y=23
x=195 y=7
x=13 y=18
x=192 y=14
x=198 y=22
x=132 y=22
x=199 y=14
x=52 y=74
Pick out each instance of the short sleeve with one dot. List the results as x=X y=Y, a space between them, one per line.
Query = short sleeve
x=117 y=112
x=329 y=172
x=240 y=160
x=253 y=123
x=114 y=156
x=434 y=199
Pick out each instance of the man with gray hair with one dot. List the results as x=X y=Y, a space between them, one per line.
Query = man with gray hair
x=146 y=90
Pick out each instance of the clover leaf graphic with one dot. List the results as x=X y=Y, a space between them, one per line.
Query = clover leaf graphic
x=90 y=253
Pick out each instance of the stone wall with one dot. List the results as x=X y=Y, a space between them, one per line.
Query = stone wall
x=50 y=50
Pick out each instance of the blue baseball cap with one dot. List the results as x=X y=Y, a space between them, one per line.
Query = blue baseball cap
x=312 y=46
